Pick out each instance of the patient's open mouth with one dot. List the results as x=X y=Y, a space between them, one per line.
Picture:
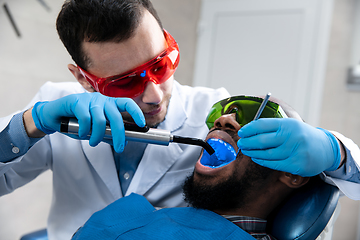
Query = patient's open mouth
x=224 y=154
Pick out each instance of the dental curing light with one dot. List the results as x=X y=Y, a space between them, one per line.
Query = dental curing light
x=139 y=134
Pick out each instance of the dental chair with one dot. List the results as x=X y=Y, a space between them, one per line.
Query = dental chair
x=306 y=213
x=303 y=216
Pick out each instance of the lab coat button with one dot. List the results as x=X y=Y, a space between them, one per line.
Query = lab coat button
x=15 y=150
x=126 y=176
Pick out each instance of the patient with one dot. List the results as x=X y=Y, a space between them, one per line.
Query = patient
x=242 y=191
x=224 y=186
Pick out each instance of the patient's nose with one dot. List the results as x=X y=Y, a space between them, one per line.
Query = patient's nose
x=228 y=122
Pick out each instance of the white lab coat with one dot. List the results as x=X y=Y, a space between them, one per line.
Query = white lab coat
x=85 y=178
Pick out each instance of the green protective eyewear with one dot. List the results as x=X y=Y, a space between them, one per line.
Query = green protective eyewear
x=245 y=109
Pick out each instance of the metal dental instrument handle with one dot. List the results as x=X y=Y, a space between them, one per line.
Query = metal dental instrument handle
x=262 y=106
x=139 y=134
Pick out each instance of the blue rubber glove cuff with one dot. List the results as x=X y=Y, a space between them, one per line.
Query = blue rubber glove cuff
x=37 y=109
x=336 y=149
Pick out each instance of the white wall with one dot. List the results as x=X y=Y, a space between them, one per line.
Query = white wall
x=260 y=46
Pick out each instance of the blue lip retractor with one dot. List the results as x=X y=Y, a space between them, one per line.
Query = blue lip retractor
x=224 y=154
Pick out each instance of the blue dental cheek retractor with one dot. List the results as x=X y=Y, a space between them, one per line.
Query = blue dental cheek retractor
x=224 y=154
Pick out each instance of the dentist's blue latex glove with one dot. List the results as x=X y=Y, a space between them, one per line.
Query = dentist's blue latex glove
x=92 y=110
x=290 y=145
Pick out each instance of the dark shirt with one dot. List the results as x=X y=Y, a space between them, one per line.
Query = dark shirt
x=256 y=227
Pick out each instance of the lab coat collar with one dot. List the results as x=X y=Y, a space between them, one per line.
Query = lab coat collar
x=102 y=159
x=156 y=156
x=160 y=160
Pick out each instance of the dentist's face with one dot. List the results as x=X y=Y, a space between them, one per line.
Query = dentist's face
x=115 y=58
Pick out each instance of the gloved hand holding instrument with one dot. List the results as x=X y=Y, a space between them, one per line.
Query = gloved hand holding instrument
x=289 y=145
x=96 y=117
x=92 y=111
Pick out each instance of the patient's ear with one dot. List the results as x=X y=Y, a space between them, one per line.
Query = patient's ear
x=80 y=78
x=293 y=181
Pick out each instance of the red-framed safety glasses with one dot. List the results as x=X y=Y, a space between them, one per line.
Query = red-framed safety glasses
x=133 y=82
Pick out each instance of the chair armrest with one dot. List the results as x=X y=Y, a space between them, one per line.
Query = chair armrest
x=38 y=235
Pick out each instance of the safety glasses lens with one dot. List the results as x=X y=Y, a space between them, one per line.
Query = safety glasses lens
x=134 y=84
x=244 y=108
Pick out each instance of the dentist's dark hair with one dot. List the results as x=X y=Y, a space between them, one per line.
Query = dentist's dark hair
x=99 y=21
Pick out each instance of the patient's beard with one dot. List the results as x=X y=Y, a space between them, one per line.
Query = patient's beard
x=232 y=193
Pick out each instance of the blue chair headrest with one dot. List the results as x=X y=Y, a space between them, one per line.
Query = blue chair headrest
x=305 y=213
